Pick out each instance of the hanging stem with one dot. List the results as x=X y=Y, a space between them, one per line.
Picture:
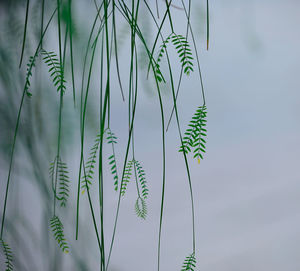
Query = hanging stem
x=17 y=128
x=24 y=33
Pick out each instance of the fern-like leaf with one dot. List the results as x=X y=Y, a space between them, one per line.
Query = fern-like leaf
x=195 y=134
x=55 y=69
x=8 y=255
x=112 y=139
x=52 y=170
x=57 y=229
x=87 y=177
x=183 y=50
x=141 y=177
x=58 y=172
x=126 y=177
x=30 y=66
x=141 y=208
x=64 y=181
x=189 y=263
x=162 y=50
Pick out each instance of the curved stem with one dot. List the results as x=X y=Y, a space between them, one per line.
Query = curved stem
x=60 y=102
x=24 y=35
x=17 y=128
x=82 y=116
x=184 y=154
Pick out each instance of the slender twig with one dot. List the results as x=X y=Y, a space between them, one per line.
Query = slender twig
x=24 y=33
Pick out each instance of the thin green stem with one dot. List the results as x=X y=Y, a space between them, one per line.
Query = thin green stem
x=133 y=33
x=196 y=52
x=71 y=51
x=42 y=19
x=126 y=13
x=133 y=150
x=102 y=125
x=81 y=118
x=181 y=71
x=92 y=211
x=60 y=101
x=207 y=24
x=168 y=4
x=187 y=13
x=116 y=49
x=17 y=128
x=24 y=33
x=158 y=32
x=184 y=154
x=83 y=132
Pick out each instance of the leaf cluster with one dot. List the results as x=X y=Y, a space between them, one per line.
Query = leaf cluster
x=87 y=177
x=59 y=171
x=140 y=204
x=63 y=182
x=141 y=208
x=57 y=228
x=55 y=69
x=112 y=139
x=141 y=176
x=189 y=263
x=8 y=255
x=30 y=65
x=195 y=134
x=183 y=50
x=126 y=177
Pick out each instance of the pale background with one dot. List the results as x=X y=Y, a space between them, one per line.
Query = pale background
x=246 y=190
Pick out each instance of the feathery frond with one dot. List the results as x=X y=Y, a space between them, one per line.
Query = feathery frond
x=161 y=53
x=141 y=177
x=189 y=263
x=8 y=255
x=57 y=228
x=63 y=182
x=87 y=177
x=112 y=139
x=52 y=170
x=58 y=172
x=55 y=70
x=141 y=208
x=184 y=52
x=126 y=177
x=30 y=66
x=194 y=135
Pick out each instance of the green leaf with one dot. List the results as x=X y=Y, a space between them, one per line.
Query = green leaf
x=8 y=255
x=193 y=136
x=59 y=177
x=141 y=208
x=57 y=229
x=189 y=263
x=87 y=178
x=112 y=140
x=126 y=177
x=30 y=66
x=55 y=69
x=141 y=177
x=63 y=193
